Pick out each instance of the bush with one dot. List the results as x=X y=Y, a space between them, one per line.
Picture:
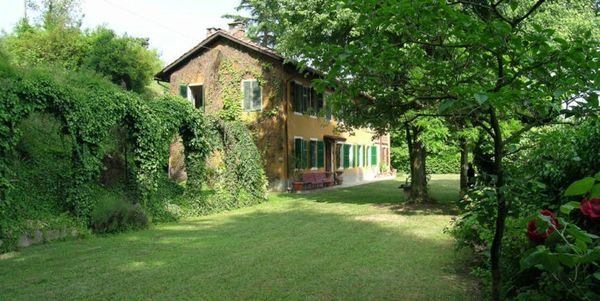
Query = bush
x=116 y=215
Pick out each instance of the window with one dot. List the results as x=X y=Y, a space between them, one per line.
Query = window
x=319 y=103
x=346 y=154
x=297 y=97
x=373 y=155
x=194 y=93
x=360 y=156
x=314 y=154
x=305 y=98
x=300 y=153
x=321 y=154
x=252 y=96
x=338 y=155
x=368 y=156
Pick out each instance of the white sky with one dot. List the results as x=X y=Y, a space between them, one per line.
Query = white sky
x=173 y=26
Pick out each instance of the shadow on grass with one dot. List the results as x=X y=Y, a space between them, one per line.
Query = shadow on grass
x=292 y=251
x=443 y=192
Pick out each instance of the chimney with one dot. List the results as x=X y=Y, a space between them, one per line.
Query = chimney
x=237 y=29
x=211 y=30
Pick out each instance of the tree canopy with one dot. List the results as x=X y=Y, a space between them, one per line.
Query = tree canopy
x=489 y=63
x=57 y=39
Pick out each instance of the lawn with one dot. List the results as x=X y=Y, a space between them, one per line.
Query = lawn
x=355 y=243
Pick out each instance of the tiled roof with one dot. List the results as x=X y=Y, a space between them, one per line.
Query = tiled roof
x=164 y=74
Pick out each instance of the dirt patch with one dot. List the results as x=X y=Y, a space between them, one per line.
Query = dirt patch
x=381 y=218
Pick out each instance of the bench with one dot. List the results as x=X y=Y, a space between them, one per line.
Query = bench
x=316 y=180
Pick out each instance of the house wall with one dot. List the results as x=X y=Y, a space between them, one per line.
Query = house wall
x=221 y=69
x=311 y=127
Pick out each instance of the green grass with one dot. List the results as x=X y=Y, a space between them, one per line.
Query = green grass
x=356 y=243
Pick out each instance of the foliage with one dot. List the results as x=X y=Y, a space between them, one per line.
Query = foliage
x=85 y=111
x=58 y=40
x=258 y=24
x=238 y=179
x=127 y=61
x=570 y=257
x=111 y=214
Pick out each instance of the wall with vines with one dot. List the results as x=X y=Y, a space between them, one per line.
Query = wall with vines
x=89 y=109
x=221 y=71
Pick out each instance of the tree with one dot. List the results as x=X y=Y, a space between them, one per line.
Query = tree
x=258 y=24
x=127 y=61
x=484 y=61
x=57 y=13
x=59 y=41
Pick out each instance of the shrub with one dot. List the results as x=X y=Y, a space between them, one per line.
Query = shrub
x=116 y=215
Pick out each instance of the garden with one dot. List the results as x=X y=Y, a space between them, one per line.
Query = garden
x=503 y=94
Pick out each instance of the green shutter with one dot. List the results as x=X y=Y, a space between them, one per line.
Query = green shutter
x=355 y=154
x=298 y=98
x=297 y=152
x=304 y=154
x=346 y=155
x=306 y=99
x=373 y=155
x=247 y=87
x=321 y=153
x=183 y=91
x=256 y=101
x=338 y=155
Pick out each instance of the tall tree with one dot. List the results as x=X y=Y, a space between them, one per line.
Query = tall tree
x=483 y=60
x=259 y=22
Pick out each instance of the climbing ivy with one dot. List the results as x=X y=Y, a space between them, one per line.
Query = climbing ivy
x=90 y=108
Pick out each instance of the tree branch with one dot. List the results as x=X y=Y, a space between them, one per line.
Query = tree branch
x=537 y=5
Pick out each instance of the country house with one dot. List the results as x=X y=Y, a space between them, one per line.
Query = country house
x=228 y=75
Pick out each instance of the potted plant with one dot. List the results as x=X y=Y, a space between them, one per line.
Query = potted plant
x=339 y=178
x=297 y=183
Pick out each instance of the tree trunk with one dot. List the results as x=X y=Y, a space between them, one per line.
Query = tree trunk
x=464 y=166
x=501 y=208
x=418 y=188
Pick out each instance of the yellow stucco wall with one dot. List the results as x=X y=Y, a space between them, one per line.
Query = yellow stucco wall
x=276 y=125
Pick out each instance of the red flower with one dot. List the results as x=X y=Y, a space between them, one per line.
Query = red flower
x=591 y=208
x=533 y=233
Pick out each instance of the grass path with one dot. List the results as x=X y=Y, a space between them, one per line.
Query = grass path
x=356 y=243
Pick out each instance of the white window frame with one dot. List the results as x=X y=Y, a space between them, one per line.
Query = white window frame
x=294 y=154
x=243 y=95
x=351 y=156
x=293 y=100
x=190 y=95
x=361 y=153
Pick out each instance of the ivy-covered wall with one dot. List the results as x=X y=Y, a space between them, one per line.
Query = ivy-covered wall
x=221 y=71
x=92 y=119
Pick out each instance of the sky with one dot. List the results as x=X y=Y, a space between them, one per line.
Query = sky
x=173 y=26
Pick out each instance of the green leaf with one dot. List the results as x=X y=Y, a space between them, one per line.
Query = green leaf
x=481 y=98
x=445 y=105
x=514 y=5
x=597 y=275
x=597 y=176
x=592 y=256
x=567 y=259
x=568 y=207
x=595 y=191
x=580 y=187
x=540 y=257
